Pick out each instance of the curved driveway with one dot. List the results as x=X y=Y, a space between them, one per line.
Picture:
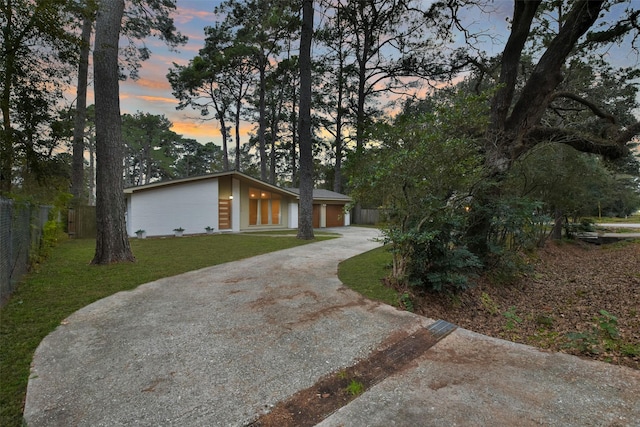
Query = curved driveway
x=221 y=345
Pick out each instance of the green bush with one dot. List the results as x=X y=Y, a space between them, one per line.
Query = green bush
x=517 y=224
x=51 y=235
x=434 y=258
x=421 y=174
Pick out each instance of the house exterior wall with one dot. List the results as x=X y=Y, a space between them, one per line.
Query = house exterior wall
x=293 y=215
x=285 y=202
x=160 y=210
x=235 y=205
x=223 y=202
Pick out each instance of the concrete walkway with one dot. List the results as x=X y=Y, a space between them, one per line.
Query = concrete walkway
x=605 y=238
x=222 y=345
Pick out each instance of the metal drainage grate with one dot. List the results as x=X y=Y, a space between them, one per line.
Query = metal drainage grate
x=441 y=328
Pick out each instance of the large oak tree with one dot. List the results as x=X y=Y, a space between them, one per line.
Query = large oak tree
x=519 y=105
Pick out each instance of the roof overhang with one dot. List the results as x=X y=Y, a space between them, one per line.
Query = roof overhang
x=320 y=195
x=181 y=181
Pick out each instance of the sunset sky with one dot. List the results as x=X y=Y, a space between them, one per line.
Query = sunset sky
x=151 y=93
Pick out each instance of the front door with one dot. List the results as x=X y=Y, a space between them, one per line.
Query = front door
x=224 y=214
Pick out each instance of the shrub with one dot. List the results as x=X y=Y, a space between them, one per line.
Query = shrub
x=433 y=258
x=517 y=224
x=420 y=174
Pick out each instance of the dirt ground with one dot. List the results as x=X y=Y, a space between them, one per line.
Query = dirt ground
x=576 y=298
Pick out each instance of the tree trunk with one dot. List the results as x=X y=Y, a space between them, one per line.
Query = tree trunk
x=6 y=149
x=262 y=126
x=225 y=144
x=77 y=168
x=337 y=176
x=360 y=114
x=523 y=14
x=363 y=57
x=221 y=113
x=305 y=213
x=275 y=130
x=237 y=120
x=112 y=243
x=556 y=233
x=547 y=75
x=293 y=153
x=272 y=162
x=507 y=136
x=92 y=172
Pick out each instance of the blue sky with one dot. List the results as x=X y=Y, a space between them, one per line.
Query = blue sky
x=151 y=93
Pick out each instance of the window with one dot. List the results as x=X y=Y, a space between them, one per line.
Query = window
x=264 y=207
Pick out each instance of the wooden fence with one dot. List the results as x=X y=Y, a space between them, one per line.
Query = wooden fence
x=367 y=216
x=81 y=222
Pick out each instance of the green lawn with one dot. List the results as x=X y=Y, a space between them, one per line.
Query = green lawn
x=67 y=282
x=632 y=219
x=364 y=274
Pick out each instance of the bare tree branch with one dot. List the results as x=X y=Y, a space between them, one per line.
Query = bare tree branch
x=593 y=107
x=581 y=141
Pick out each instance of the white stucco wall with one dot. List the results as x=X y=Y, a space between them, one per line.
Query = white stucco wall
x=293 y=215
x=158 y=211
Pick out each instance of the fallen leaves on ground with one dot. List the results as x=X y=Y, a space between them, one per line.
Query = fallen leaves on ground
x=576 y=298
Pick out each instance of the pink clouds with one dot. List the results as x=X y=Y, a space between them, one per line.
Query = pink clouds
x=149 y=98
x=185 y=14
x=154 y=84
x=152 y=93
x=200 y=131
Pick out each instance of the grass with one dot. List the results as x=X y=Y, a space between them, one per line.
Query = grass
x=67 y=282
x=363 y=274
x=355 y=388
x=632 y=219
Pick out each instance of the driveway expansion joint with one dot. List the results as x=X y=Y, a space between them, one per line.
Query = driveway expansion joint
x=310 y=406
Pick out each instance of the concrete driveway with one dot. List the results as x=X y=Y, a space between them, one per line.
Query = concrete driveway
x=222 y=345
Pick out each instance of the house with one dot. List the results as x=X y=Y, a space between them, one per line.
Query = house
x=226 y=201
